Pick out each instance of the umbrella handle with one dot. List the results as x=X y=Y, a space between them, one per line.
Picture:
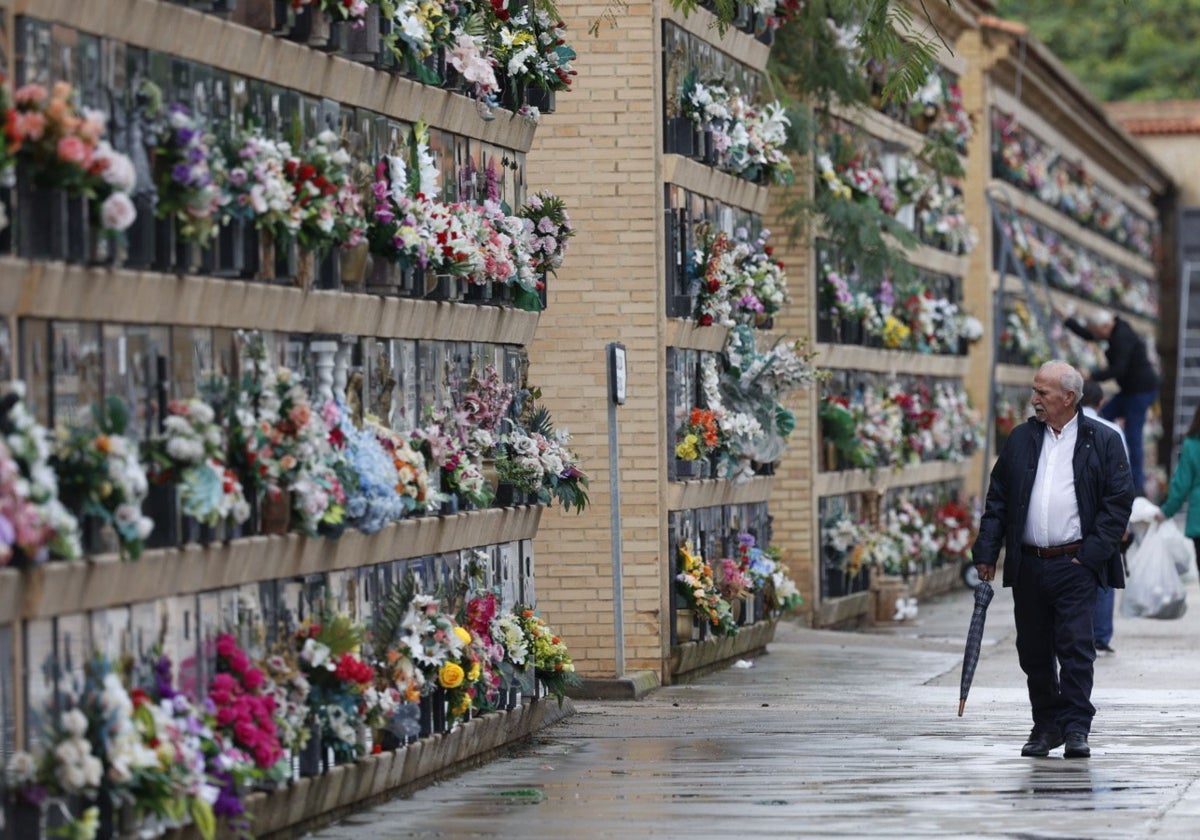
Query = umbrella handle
x=962 y=705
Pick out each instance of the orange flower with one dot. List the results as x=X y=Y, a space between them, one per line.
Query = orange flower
x=104 y=444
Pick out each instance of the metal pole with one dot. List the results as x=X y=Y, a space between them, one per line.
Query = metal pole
x=614 y=480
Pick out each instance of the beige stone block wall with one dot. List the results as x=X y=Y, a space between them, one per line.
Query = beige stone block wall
x=793 y=505
x=600 y=152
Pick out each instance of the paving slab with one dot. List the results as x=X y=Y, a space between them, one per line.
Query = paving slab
x=847 y=734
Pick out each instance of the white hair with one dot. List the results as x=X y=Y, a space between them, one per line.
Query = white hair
x=1069 y=379
x=1100 y=318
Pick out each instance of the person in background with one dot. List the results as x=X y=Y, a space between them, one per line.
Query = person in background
x=1129 y=364
x=1185 y=484
x=1102 y=621
x=1057 y=503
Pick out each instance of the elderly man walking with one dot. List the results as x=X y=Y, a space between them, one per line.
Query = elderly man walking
x=1058 y=500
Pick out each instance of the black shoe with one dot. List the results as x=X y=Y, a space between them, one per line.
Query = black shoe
x=1101 y=647
x=1077 y=746
x=1040 y=743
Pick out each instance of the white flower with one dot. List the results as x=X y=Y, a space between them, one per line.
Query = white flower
x=74 y=723
x=117 y=213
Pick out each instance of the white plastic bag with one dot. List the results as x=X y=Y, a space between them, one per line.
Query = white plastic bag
x=1154 y=589
x=1181 y=550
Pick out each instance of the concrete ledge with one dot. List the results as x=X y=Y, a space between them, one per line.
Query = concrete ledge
x=633 y=686
x=694 y=659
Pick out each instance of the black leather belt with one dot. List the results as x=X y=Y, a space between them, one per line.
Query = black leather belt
x=1052 y=550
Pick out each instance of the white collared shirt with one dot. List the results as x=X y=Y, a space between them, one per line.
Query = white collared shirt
x=1053 y=517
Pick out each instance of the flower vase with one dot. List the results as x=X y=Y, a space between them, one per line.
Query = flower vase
x=306 y=261
x=256 y=14
x=735 y=609
x=540 y=98
x=41 y=219
x=490 y=474
x=680 y=136
x=426 y=715
x=830 y=457
x=311 y=756
x=275 y=511
x=388 y=740
x=686 y=469
x=361 y=43
x=26 y=819
x=320 y=31
x=442 y=287
x=353 y=262
x=506 y=495
x=102 y=248
x=384 y=277
x=162 y=506
x=440 y=712
x=142 y=236
x=685 y=626
x=478 y=292
x=265 y=269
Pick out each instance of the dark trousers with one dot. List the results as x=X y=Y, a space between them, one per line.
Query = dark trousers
x=1054 y=601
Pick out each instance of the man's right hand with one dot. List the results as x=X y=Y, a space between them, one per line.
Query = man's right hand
x=985 y=571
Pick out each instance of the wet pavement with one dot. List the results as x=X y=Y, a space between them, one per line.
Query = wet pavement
x=848 y=734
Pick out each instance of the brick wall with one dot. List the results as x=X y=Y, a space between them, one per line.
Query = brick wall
x=599 y=151
x=792 y=504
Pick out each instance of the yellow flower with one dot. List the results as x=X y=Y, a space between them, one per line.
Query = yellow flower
x=451 y=675
x=461 y=707
x=895 y=333
x=464 y=634
x=686 y=450
x=473 y=674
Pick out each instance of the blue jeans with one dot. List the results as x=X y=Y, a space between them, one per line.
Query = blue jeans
x=1132 y=407
x=1102 y=621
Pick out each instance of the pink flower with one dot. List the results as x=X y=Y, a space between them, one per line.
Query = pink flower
x=252 y=679
x=224 y=682
x=246 y=733
x=225 y=714
x=239 y=662
x=225 y=646
x=73 y=150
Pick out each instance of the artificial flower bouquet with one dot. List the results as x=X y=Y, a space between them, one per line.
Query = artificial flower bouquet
x=35 y=526
x=698 y=436
x=694 y=583
x=99 y=475
x=338 y=678
x=190 y=452
x=551 y=661
x=330 y=208
x=63 y=148
x=188 y=174
x=551 y=229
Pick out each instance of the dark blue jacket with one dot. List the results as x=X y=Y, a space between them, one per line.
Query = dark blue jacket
x=1103 y=489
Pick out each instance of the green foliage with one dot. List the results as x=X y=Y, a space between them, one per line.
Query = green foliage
x=389 y=619
x=1137 y=51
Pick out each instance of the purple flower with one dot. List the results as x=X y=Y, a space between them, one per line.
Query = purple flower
x=162 y=678
x=181 y=173
x=747 y=539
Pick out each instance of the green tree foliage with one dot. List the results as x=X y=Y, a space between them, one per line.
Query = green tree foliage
x=1143 y=50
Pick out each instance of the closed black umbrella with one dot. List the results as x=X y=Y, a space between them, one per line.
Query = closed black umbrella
x=983 y=597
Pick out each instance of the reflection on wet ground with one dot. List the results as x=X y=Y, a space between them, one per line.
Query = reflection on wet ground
x=837 y=735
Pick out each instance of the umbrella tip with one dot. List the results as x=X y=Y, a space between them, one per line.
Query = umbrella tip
x=962 y=704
